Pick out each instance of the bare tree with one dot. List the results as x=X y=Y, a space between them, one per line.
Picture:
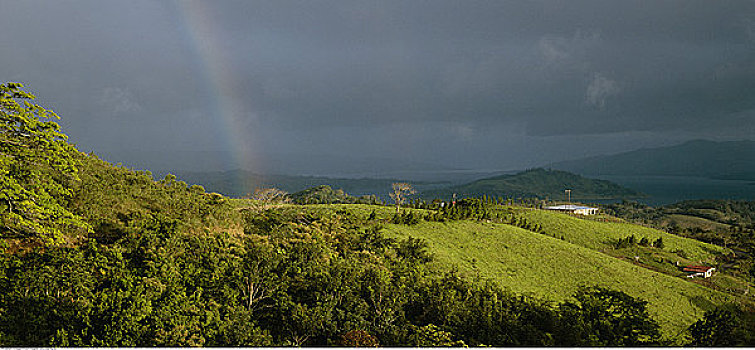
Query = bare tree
x=255 y=289
x=401 y=190
x=270 y=195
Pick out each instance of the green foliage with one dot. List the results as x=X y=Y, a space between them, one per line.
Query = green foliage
x=414 y=249
x=113 y=199
x=467 y=208
x=37 y=170
x=720 y=327
x=599 y=235
x=546 y=267
x=631 y=241
x=431 y=336
x=453 y=308
x=625 y=242
x=324 y=194
x=155 y=287
x=307 y=276
x=406 y=218
x=724 y=223
x=603 y=317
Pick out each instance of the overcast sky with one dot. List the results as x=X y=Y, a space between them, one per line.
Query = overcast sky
x=457 y=84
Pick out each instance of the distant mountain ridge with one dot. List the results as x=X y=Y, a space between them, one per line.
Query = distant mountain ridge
x=539 y=183
x=730 y=160
x=239 y=183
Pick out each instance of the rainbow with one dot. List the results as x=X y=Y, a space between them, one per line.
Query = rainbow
x=216 y=70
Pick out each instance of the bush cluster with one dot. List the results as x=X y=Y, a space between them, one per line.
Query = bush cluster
x=631 y=241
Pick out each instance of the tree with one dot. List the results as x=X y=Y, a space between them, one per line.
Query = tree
x=718 y=327
x=604 y=317
x=358 y=338
x=432 y=336
x=659 y=243
x=37 y=167
x=271 y=195
x=401 y=190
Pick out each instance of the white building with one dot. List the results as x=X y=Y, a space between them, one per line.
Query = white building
x=699 y=271
x=575 y=209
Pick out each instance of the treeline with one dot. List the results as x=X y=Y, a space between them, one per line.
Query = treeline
x=738 y=214
x=480 y=209
x=631 y=241
x=295 y=278
x=324 y=194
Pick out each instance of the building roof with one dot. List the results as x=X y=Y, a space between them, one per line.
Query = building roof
x=568 y=207
x=693 y=268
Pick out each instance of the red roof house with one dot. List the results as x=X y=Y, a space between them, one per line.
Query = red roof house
x=698 y=271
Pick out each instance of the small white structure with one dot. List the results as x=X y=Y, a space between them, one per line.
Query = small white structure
x=699 y=271
x=575 y=209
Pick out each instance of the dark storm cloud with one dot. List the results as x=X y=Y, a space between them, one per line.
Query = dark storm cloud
x=410 y=78
x=558 y=67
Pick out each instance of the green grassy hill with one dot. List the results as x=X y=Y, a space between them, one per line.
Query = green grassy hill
x=535 y=264
x=538 y=183
x=602 y=235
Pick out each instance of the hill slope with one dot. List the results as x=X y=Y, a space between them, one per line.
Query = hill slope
x=599 y=235
x=539 y=265
x=719 y=160
x=539 y=183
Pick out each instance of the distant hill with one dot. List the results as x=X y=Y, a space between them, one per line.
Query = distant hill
x=538 y=183
x=238 y=183
x=319 y=165
x=733 y=160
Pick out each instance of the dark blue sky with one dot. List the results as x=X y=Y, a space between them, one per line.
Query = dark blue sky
x=269 y=85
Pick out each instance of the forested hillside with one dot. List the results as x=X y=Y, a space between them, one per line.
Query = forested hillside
x=93 y=254
x=536 y=183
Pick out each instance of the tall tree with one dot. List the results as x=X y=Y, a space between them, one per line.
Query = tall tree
x=718 y=327
x=401 y=190
x=270 y=195
x=37 y=168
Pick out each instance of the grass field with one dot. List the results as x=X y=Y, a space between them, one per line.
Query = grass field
x=533 y=264
x=598 y=235
x=688 y=221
